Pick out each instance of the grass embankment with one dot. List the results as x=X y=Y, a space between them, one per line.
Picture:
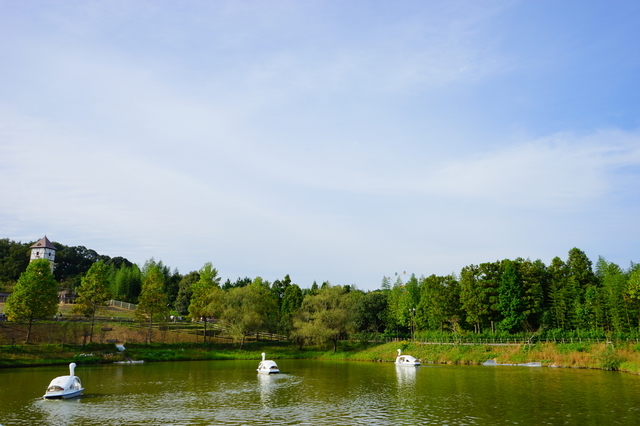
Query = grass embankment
x=623 y=357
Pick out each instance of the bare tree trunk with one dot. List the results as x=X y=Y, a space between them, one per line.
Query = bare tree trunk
x=150 y=330
x=205 y=329
x=29 y=331
x=93 y=318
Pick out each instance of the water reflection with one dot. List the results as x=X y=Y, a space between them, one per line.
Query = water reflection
x=59 y=412
x=406 y=375
x=324 y=393
x=267 y=387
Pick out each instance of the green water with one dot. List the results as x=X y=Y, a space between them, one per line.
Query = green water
x=322 y=393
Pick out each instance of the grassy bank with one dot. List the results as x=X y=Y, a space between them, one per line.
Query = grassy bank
x=623 y=356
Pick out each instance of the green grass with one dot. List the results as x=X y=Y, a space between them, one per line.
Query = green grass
x=622 y=357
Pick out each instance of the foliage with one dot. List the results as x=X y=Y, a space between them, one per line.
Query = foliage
x=93 y=292
x=127 y=284
x=511 y=301
x=14 y=259
x=325 y=316
x=73 y=262
x=35 y=295
x=291 y=303
x=153 y=304
x=370 y=311
x=183 y=300
x=518 y=297
x=203 y=294
x=248 y=310
x=609 y=359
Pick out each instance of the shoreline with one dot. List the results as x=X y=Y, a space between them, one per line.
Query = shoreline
x=624 y=357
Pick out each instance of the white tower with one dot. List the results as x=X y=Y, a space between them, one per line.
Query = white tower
x=43 y=249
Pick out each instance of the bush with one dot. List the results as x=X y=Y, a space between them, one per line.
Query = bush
x=610 y=360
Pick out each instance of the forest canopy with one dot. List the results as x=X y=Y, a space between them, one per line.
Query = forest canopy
x=504 y=296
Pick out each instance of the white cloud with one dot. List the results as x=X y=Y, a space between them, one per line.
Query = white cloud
x=327 y=140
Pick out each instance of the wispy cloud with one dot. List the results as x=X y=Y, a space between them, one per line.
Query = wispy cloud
x=327 y=140
x=555 y=172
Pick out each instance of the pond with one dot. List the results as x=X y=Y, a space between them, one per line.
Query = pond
x=312 y=392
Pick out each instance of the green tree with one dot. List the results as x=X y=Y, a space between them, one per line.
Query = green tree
x=614 y=286
x=633 y=290
x=325 y=316
x=93 y=292
x=489 y=281
x=72 y=263
x=583 y=286
x=399 y=301
x=127 y=284
x=240 y=282
x=171 y=279
x=248 y=310
x=35 y=295
x=535 y=283
x=439 y=305
x=511 y=300
x=370 y=311
x=279 y=287
x=291 y=303
x=471 y=296
x=560 y=295
x=184 y=292
x=14 y=259
x=409 y=299
x=202 y=293
x=153 y=304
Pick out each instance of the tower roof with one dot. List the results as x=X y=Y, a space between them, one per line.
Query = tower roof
x=44 y=243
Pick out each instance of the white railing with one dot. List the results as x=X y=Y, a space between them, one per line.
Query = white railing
x=124 y=305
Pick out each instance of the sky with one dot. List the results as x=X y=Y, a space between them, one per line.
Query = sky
x=339 y=141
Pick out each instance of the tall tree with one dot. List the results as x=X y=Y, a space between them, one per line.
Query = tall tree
x=279 y=287
x=93 y=292
x=633 y=290
x=535 y=283
x=614 y=286
x=202 y=292
x=171 y=279
x=511 y=298
x=153 y=304
x=471 y=297
x=127 y=283
x=291 y=302
x=560 y=296
x=34 y=296
x=439 y=305
x=583 y=284
x=489 y=281
x=184 y=292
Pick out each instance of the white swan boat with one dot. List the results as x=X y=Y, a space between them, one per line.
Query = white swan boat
x=267 y=366
x=64 y=387
x=406 y=359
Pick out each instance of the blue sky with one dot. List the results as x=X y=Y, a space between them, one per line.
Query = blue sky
x=336 y=141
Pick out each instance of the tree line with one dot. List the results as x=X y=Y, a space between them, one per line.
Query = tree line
x=504 y=296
